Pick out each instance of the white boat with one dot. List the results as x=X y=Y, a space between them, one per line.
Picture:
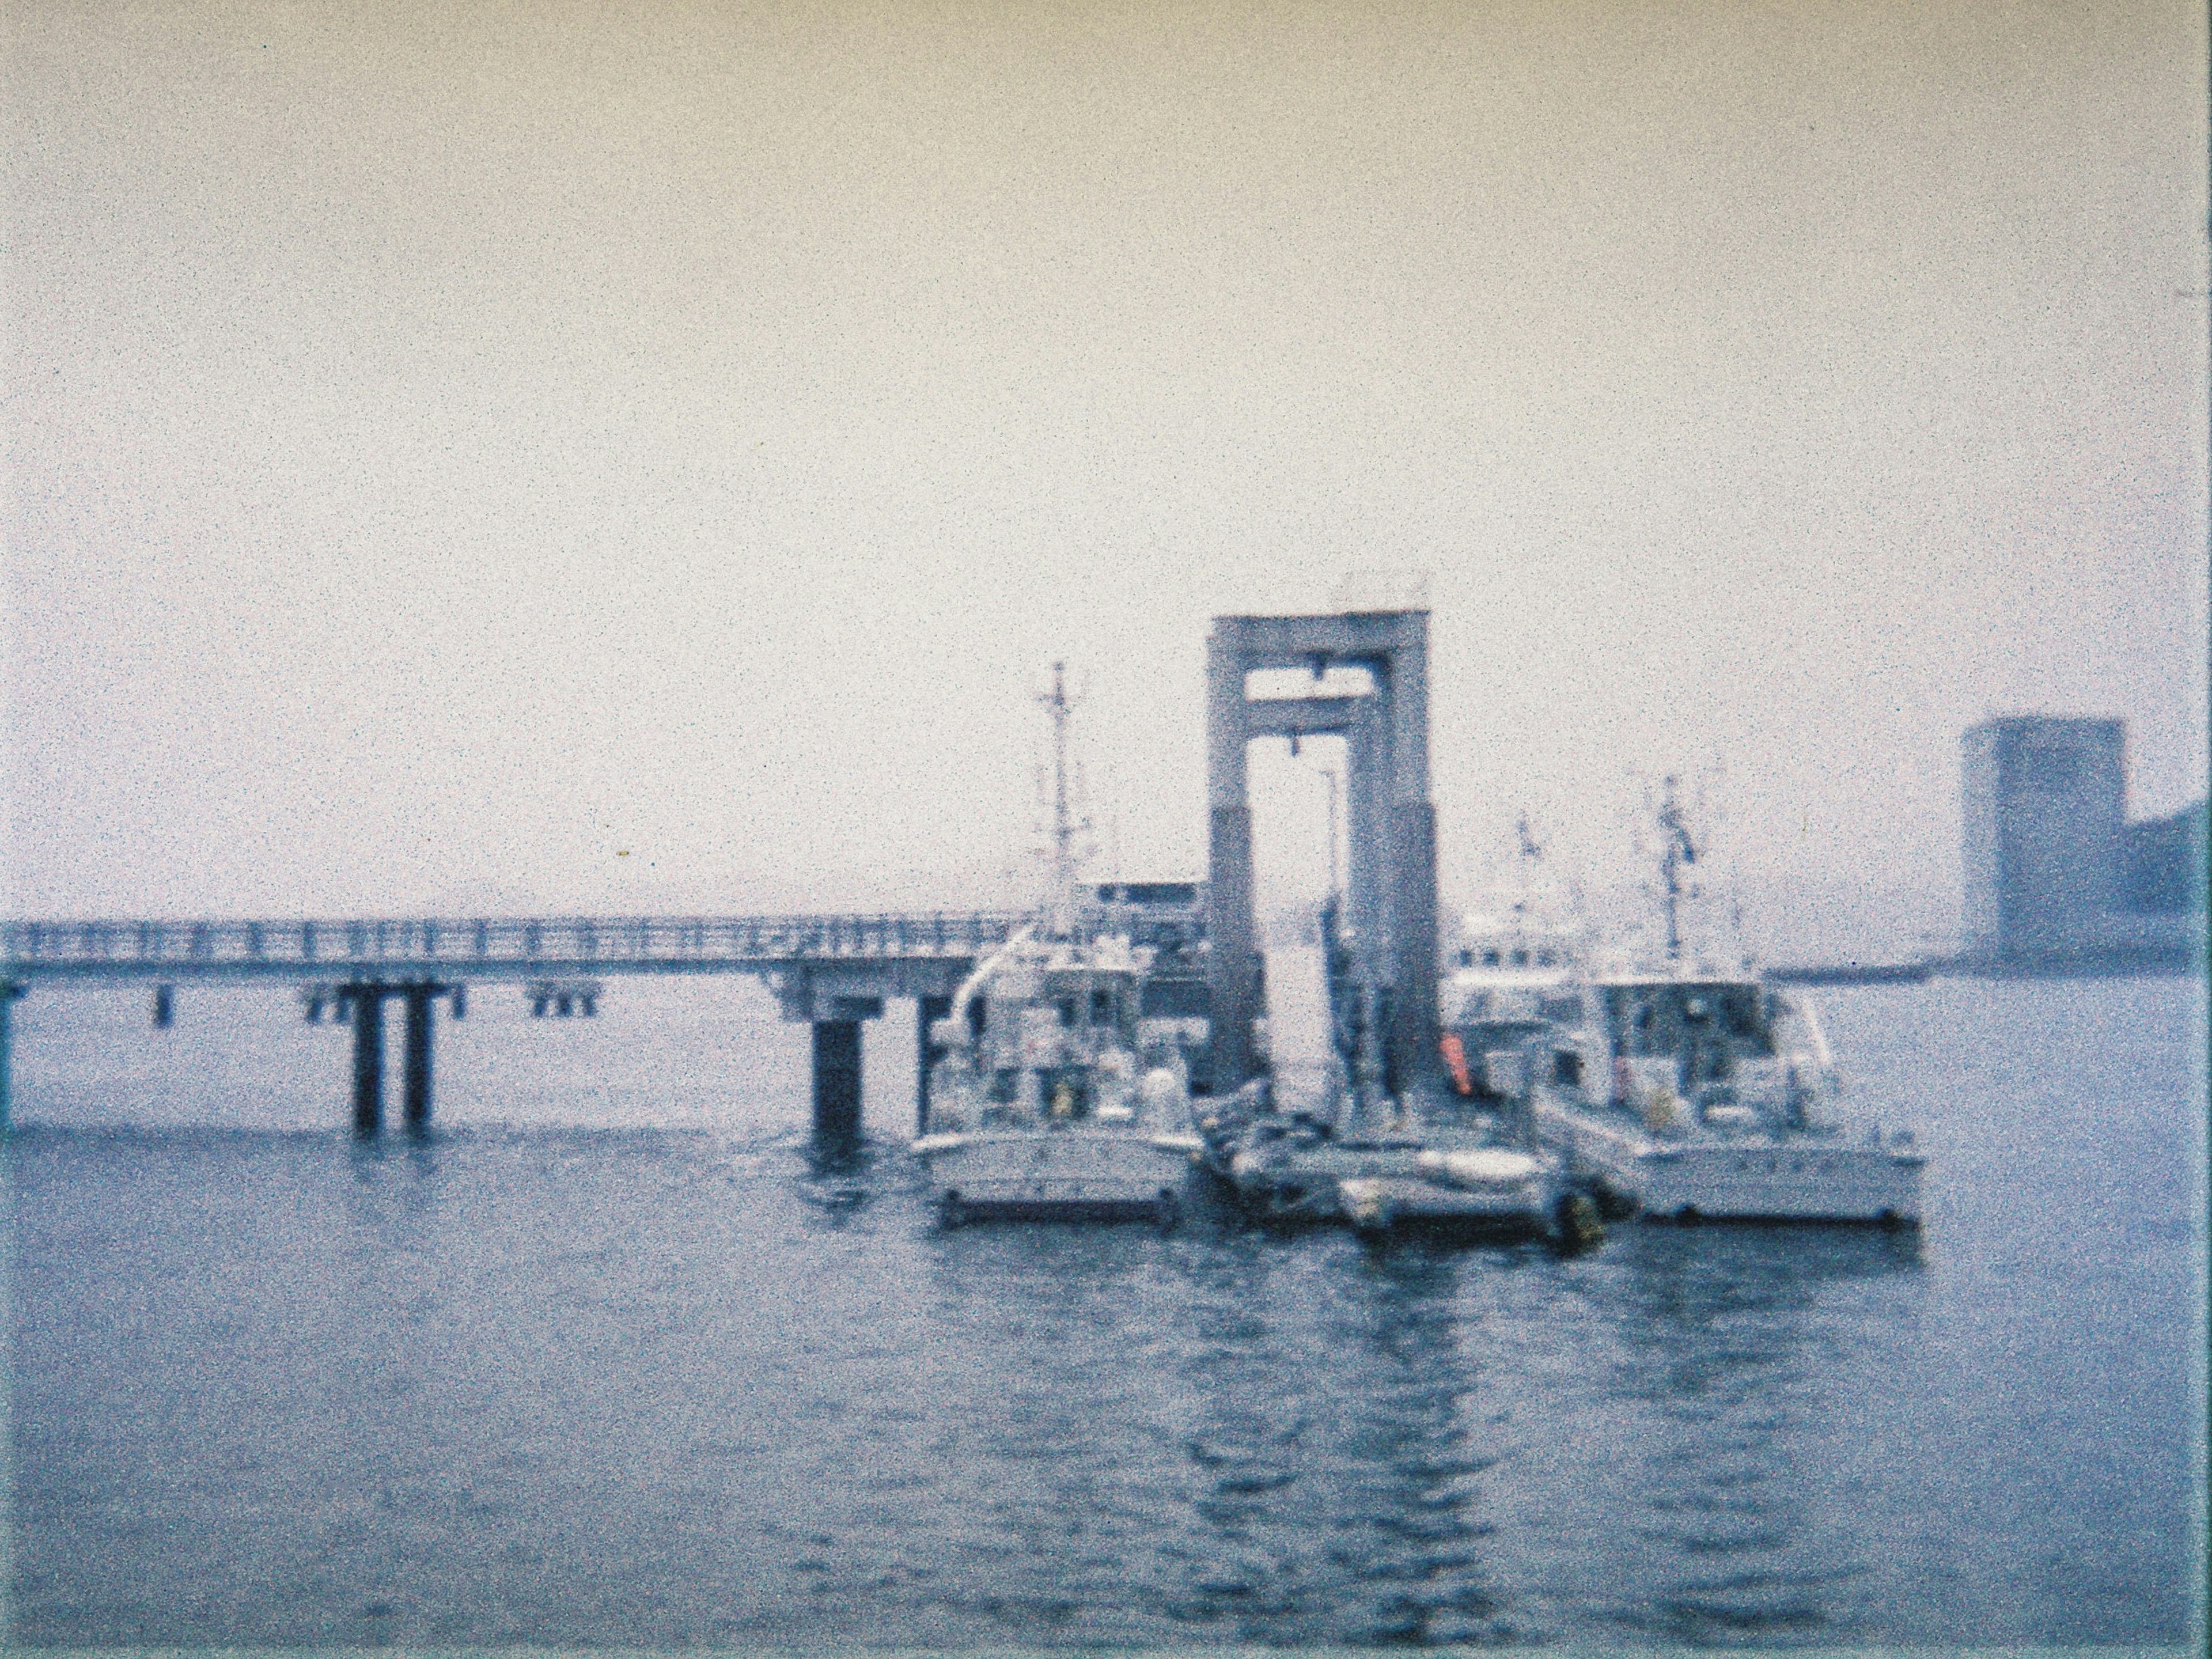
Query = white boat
x=1701 y=1091
x=1046 y=1105
x=1712 y=1101
x=1512 y=969
x=1049 y=1110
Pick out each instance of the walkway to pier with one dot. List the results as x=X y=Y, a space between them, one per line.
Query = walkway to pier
x=485 y=948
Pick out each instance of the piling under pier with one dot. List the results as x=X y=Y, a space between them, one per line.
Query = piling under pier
x=838 y=1086
x=367 y=1003
x=416 y=1095
x=8 y=992
x=927 y=1011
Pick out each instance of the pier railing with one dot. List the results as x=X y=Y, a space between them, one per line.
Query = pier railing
x=484 y=944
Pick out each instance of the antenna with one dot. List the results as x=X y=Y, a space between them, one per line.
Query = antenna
x=1113 y=822
x=1681 y=852
x=1061 y=899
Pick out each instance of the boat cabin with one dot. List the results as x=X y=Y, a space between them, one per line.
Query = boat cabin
x=1735 y=1050
x=1053 y=1041
x=1707 y=1024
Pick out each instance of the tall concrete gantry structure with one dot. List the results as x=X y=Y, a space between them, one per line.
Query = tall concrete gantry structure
x=1391 y=891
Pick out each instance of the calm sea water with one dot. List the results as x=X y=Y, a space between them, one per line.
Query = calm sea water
x=603 y=1362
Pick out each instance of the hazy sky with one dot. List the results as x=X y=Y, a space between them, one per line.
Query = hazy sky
x=608 y=457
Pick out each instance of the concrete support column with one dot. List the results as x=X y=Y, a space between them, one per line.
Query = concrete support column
x=1412 y=1035
x=165 y=1006
x=1367 y=795
x=8 y=992
x=421 y=1014
x=368 y=1002
x=927 y=1011
x=838 y=1086
x=1233 y=957
x=1233 y=960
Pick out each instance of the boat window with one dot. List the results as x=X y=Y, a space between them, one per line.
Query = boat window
x=1067 y=1011
x=1566 y=1070
x=1466 y=958
x=1740 y=1009
x=1544 y=958
x=1101 y=1006
x=1520 y=958
x=1491 y=958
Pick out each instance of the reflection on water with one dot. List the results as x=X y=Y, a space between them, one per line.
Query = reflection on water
x=1420 y=1439
x=1728 y=1340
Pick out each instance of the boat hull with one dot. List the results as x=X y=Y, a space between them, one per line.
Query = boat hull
x=1815 y=1180
x=1068 y=1175
x=1407 y=1205
x=1295 y=1186
x=1389 y=1188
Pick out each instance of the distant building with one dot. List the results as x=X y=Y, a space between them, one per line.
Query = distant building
x=2163 y=865
x=2053 y=869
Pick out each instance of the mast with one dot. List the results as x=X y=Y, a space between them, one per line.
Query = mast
x=1531 y=855
x=1680 y=851
x=1061 y=901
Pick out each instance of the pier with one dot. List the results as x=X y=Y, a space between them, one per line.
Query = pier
x=830 y=972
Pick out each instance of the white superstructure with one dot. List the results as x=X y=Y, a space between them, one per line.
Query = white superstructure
x=1511 y=969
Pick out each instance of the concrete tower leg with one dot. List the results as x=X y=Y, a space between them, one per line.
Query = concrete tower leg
x=837 y=1087
x=368 y=1002
x=927 y=1011
x=1413 y=1037
x=1233 y=962
x=421 y=1016
x=1233 y=957
x=1368 y=790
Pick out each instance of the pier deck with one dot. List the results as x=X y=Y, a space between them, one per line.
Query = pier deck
x=485 y=948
